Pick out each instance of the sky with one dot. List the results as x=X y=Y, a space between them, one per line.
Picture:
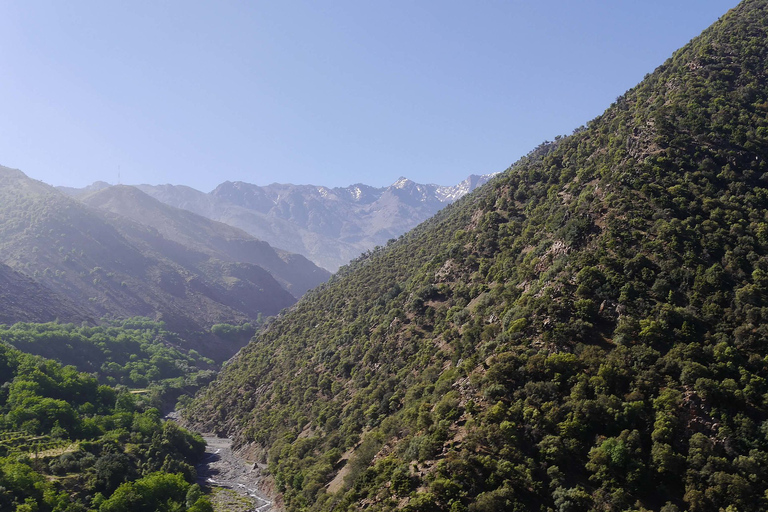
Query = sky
x=322 y=92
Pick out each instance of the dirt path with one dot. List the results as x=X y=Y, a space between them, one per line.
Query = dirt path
x=222 y=468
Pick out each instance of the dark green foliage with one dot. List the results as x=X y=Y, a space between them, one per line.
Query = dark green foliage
x=156 y=492
x=238 y=333
x=111 y=470
x=586 y=332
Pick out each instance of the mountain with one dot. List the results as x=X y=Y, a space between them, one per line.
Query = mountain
x=109 y=265
x=585 y=332
x=25 y=300
x=215 y=239
x=330 y=226
x=77 y=192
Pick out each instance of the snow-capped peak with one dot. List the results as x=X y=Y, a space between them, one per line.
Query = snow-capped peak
x=402 y=182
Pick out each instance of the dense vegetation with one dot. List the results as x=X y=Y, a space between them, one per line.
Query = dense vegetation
x=69 y=444
x=586 y=332
x=137 y=353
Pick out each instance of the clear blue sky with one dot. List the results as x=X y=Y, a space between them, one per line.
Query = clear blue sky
x=322 y=92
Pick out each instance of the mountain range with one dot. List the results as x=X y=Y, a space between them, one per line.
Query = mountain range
x=587 y=331
x=329 y=226
x=121 y=253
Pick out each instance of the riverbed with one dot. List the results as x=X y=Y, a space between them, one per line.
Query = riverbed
x=224 y=469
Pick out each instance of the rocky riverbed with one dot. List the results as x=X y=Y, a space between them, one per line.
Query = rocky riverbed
x=223 y=469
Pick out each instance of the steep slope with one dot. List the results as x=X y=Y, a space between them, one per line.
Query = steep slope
x=586 y=332
x=330 y=226
x=218 y=240
x=24 y=300
x=119 y=268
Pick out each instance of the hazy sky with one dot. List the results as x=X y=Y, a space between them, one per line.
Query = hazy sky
x=324 y=92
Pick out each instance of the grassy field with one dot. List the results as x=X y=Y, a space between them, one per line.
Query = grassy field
x=227 y=500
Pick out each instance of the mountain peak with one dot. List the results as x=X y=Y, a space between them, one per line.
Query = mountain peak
x=402 y=182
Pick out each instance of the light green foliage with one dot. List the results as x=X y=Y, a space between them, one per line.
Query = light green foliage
x=67 y=443
x=136 y=352
x=158 y=492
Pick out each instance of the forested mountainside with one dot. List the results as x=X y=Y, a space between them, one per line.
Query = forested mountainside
x=585 y=332
x=107 y=265
x=330 y=226
x=218 y=240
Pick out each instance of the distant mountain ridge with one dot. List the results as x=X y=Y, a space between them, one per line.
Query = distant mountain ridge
x=126 y=254
x=330 y=226
x=221 y=241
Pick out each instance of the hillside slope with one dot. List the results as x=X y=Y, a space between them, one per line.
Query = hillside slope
x=586 y=332
x=218 y=240
x=23 y=300
x=116 y=267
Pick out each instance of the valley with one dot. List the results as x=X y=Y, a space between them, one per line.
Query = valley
x=167 y=265
x=585 y=331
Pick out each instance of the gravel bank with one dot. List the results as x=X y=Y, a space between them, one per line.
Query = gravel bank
x=222 y=468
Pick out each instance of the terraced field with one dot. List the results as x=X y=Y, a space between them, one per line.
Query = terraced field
x=22 y=443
